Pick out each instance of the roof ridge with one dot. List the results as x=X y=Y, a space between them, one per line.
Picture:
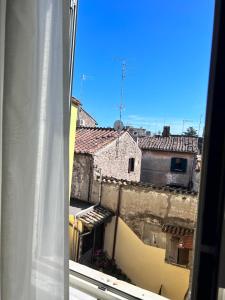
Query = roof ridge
x=100 y=128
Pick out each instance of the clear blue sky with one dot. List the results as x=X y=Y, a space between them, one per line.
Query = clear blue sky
x=167 y=47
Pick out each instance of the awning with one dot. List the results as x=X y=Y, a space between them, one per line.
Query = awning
x=177 y=230
x=95 y=217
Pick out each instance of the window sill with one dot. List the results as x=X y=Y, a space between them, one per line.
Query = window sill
x=86 y=283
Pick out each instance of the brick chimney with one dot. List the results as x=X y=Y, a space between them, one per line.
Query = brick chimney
x=166 y=131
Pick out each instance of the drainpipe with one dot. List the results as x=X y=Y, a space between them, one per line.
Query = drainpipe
x=190 y=185
x=117 y=220
x=90 y=180
x=100 y=189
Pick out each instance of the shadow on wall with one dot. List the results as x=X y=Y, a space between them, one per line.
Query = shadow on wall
x=145 y=265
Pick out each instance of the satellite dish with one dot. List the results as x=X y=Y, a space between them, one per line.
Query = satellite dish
x=118 y=125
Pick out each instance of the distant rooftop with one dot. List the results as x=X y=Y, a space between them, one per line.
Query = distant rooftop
x=91 y=139
x=179 y=143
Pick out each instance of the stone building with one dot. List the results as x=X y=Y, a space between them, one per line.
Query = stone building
x=103 y=152
x=137 y=132
x=168 y=159
x=84 y=119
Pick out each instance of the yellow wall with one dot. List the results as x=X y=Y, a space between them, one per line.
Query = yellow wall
x=145 y=265
x=73 y=122
x=75 y=226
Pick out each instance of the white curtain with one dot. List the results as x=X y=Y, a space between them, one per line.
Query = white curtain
x=34 y=119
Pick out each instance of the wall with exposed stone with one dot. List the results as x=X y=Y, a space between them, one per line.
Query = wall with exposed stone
x=87 y=119
x=145 y=209
x=113 y=159
x=155 y=168
x=81 y=180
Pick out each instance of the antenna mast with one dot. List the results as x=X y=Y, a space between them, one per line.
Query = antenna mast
x=123 y=76
x=118 y=125
x=199 y=126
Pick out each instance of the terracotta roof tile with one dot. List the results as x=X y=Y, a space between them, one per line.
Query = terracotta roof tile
x=173 y=143
x=91 y=139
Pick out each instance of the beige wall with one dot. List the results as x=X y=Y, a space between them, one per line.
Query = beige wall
x=145 y=264
x=145 y=209
x=144 y=200
x=155 y=168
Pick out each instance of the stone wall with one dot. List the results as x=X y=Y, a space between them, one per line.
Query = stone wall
x=114 y=158
x=81 y=180
x=145 y=209
x=155 y=168
x=88 y=120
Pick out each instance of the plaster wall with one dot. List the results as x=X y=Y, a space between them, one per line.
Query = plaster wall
x=155 y=168
x=145 y=265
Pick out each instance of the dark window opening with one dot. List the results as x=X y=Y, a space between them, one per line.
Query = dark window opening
x=178 y=251
x=131 y=165
x=178 y=165
x=183 y=256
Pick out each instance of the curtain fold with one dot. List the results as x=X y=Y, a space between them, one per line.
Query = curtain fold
x=34 y=102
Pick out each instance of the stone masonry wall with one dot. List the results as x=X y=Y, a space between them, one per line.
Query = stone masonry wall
x=145 y=209
x=114 y=158
x=88 y=121
x=82 y=168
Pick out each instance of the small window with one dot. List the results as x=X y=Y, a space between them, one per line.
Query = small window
x=131 y=165
x=178 y=165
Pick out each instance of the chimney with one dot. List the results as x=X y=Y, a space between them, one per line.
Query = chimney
x=166 y=131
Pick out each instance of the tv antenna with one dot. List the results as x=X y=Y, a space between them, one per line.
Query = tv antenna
x=83 y=78
x=185 y=121
x=118 y=125
x=199 y=126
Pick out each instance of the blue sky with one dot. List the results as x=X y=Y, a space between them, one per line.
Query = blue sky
x=166 y=45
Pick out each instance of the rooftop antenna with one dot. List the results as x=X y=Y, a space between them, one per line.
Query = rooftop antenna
x=199 y=126
x=118 y=125
x=83 y=78
x=185 y=121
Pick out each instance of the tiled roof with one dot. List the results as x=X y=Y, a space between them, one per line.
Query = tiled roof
x=180 y=143
x=95 y=217
x=177 y=230
x=91 y=139
x=75 y=101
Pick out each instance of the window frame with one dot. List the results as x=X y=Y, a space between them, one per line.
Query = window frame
x=177 y=170
x=131 y=164
x=208 y=272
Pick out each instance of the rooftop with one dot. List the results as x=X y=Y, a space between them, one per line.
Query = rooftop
x=186 y=144
x=75 y=101
x=91 y=139
x=91 y=215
